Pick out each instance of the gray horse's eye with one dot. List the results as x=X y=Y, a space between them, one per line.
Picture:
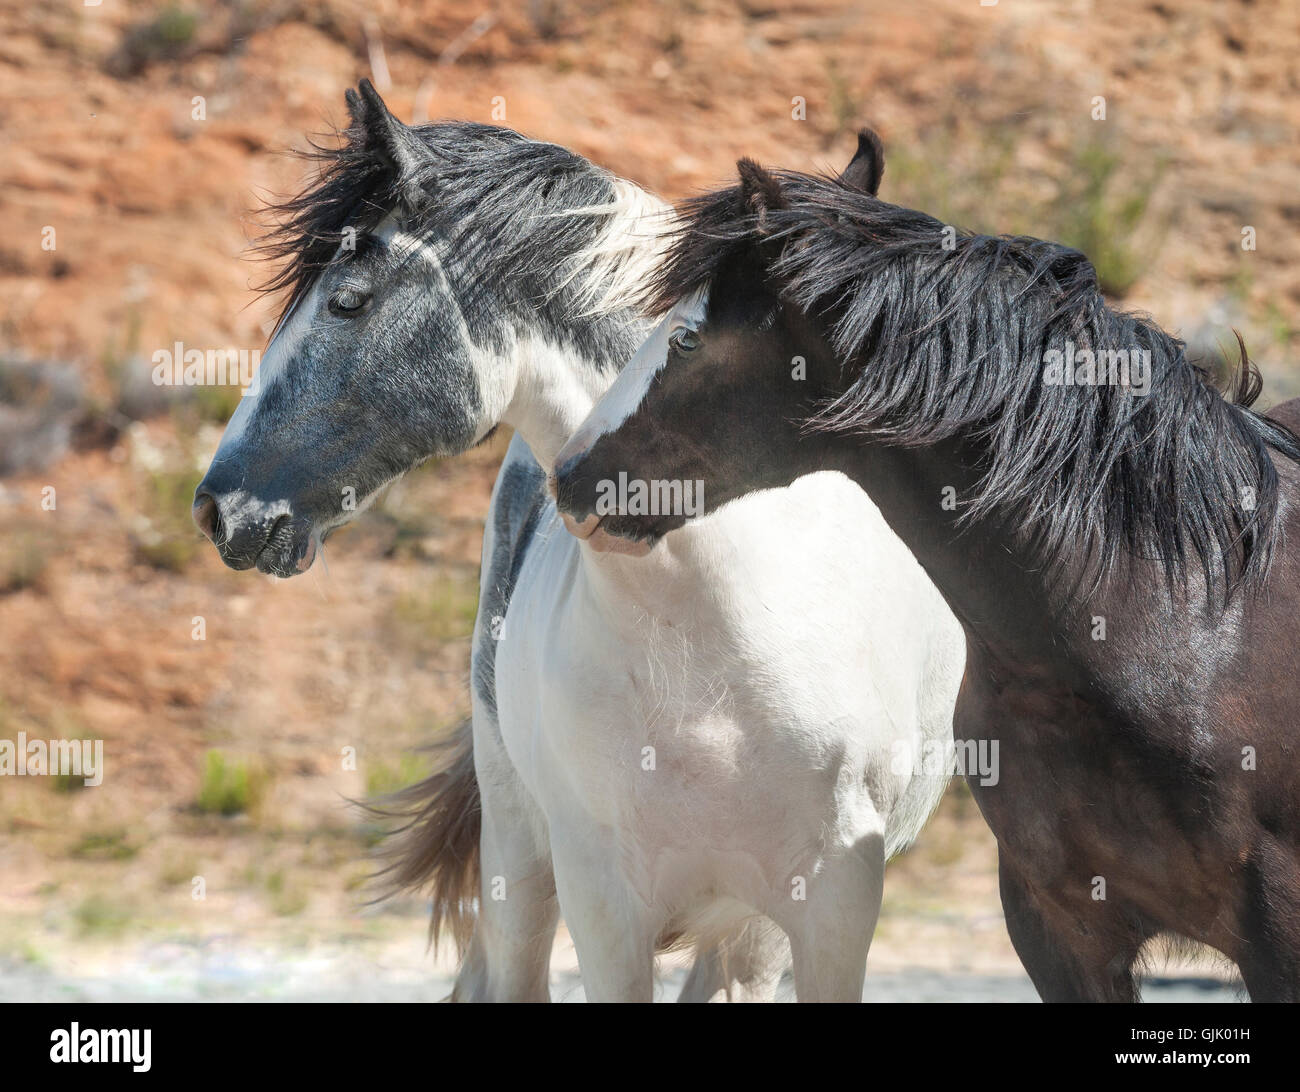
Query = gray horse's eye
x=684 y=340
x=348 y=301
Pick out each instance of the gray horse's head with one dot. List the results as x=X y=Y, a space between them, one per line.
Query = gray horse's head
x=417 y=268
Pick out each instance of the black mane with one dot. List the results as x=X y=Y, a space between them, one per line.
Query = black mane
x=943 y=333
x=495 y=195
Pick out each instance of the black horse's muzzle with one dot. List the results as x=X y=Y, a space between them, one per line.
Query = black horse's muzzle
x=576 y=489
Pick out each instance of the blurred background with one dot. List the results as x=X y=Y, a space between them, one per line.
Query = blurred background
x=136 y=138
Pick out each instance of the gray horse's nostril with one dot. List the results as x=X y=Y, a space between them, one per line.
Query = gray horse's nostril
x=206 y=516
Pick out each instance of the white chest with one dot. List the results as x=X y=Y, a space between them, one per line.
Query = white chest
x=733 y=699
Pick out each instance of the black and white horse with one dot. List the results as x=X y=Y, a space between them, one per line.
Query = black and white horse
x=1098 y=516
x=683 y=748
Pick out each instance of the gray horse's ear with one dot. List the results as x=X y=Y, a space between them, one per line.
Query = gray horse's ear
x=396 y=142
x=760 y=191
x=867 y=166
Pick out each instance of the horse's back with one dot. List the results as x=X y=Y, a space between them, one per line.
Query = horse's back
x=1287 y=413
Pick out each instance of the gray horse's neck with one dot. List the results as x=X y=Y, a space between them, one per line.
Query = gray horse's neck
x=556 y=387
x=557 y=377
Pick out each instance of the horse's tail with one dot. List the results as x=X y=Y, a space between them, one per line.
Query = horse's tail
x=436 y=848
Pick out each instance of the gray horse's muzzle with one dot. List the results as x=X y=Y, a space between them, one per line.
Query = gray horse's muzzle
x=249 y=531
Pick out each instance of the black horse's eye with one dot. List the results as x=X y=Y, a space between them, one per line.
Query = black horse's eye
x=348 y=301
x=684 y=340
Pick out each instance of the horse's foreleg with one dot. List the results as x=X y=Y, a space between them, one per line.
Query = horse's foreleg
x=613 y=930
x=707 y=977
x=510 y=956
x=1269 y=923
x=1084 y=954
x=830 y=920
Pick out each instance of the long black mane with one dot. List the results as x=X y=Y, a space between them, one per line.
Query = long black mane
x=943 y=334
x=513 y=213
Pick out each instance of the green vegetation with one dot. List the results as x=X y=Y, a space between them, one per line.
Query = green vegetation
x=287 y=898
x=67 y=783
x=168 y=540
x=1100 y=203
x=98 y=915
x=230 y=786
x=24 y=560
x=216 y=403
x=383 y=778
x=106 y=845
x=1099 y=209
x=844 y=106
x=167 y=35
x=441 y=611
x=177 y=869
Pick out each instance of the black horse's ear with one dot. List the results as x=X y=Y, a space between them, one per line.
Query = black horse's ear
x=394 y=141
x=867 y=166
x=760 y=191
x=356 y=108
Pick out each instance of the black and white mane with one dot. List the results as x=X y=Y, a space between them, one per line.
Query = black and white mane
x=535 y=226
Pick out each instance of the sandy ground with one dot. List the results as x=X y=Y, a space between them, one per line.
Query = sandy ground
x=229 y=969
x=940 y=937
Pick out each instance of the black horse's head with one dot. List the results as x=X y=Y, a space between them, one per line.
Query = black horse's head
x=964 y=380
x=710 y=408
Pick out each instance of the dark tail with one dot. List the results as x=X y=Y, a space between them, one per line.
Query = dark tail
x=436 y=848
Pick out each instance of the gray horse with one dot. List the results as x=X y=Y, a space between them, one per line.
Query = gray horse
x=669 y=750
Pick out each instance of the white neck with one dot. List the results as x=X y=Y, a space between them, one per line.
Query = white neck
x=554 y=391
x=552 y=388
